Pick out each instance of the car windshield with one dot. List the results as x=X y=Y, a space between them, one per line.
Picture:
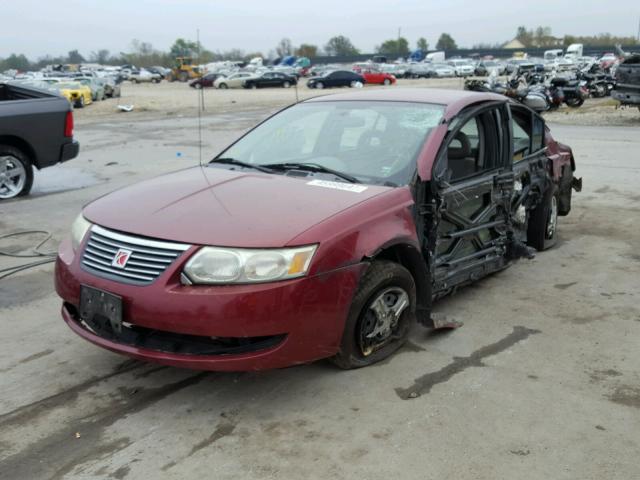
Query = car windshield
x=375 y=142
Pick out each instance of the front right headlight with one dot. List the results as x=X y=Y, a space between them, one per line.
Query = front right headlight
x=79 y=229
x=217 y=265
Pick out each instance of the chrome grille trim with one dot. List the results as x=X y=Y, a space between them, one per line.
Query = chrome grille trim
x=148 y=260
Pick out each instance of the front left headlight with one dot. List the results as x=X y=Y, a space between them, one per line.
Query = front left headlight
x=217 y=265
x=79 y=229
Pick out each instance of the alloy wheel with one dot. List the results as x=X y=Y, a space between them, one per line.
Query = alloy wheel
x=13 y=177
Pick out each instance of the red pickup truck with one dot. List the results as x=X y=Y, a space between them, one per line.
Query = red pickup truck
x=325 y=231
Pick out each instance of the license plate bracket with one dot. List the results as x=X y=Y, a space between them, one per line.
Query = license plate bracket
x=95 y=302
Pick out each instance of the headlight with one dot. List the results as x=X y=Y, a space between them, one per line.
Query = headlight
x=79 y=229
x=215 y=265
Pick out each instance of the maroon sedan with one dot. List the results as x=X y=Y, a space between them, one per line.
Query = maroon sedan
x=323 y=232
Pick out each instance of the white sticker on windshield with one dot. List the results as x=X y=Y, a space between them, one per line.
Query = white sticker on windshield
x=349 y=187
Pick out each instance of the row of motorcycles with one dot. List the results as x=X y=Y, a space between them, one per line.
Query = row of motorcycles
x=542 y=92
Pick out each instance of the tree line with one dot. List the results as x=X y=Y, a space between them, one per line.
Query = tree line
x=541 y=37
x=143 y=54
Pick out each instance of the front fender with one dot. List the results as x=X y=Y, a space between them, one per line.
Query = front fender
x=362 y=230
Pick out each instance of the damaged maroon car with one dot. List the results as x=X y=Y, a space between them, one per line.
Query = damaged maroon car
x=324 y=232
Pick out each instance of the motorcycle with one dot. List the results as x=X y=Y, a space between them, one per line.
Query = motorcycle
x=536 y=97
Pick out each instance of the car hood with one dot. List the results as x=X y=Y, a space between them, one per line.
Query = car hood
x=216 y=206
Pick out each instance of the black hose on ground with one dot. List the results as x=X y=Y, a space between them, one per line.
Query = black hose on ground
x=45 y=257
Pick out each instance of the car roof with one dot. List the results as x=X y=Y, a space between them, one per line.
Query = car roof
x=454 y=100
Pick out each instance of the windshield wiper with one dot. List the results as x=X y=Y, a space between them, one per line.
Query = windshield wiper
x=312 y=167
x=240 y=163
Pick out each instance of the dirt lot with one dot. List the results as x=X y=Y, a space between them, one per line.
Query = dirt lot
x=542 y=381
x=171 y=99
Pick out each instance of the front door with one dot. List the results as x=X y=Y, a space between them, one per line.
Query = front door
x=473 y=196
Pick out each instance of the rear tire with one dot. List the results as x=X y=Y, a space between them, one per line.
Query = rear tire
x=386 y=282
x=319 y=85
x=223 y=86
x=286 y=84
x=574 y=102
x=12 y=159
x=543 y=221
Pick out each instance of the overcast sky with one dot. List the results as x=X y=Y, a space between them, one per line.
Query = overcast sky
x=39 y=27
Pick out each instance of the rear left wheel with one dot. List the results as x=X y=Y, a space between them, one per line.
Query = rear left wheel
x=16 y=173
x=380 y=316
x=543 y=221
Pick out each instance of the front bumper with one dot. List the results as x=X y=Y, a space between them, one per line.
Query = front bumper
x=301 y=320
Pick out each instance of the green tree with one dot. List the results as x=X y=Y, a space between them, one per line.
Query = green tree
x=183 y=48
x=307 y=50
x=340 y=46
x=74 y=57
x=422 y=44
x=15 y=62
x=396 y=47
x=446 y=42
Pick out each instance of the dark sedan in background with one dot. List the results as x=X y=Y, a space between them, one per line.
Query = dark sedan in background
x=336 y=78
x=270 y=79
x=205 y=81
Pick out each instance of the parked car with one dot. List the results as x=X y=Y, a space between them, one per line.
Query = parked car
x=344 y=217
x=462 y=68
x=36 y=131
x=336 y=78
x=111 y=87
x=235 y=80
x=441 y=70
x=376 y=77
x=79 y=95
x=485 y=67
x=144 y=76
x=519 y=65
x=95 y=85
x=205 y=81
x=418 y=70
x=270 y=79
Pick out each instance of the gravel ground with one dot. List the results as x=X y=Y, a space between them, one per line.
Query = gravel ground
x=542 y=381
x=163 y=100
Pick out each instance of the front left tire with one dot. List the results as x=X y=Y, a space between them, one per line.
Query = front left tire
x=380 y=316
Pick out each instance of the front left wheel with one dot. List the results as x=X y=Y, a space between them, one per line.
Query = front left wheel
x=380 y=317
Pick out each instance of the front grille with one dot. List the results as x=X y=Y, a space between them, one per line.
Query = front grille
x=147 y=259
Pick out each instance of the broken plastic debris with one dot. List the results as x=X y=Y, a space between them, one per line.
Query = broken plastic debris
x=77 y=434
x=125 y=108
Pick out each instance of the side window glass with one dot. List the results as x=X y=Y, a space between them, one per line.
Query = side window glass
x=521 y=127
x=537 y=138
